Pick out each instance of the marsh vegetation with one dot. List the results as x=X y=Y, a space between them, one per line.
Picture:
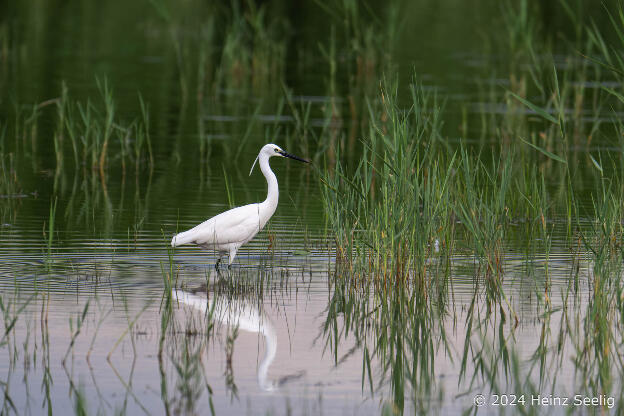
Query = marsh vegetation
x=459 y=232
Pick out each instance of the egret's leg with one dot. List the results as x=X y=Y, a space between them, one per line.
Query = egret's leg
x=217 y=263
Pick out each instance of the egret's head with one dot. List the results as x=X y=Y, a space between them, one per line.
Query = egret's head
x=270 y=150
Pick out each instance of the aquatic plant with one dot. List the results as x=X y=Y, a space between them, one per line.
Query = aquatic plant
x=95 y=136
x=254 y=48
x=389 y=213
x=10 y=187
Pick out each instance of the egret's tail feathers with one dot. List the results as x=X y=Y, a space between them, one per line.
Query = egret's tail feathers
x=182 y=238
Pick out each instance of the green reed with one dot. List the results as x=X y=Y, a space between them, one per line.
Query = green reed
x=482 y=209
x=94 y=136
x=402 y=209
x=254 y=48
x=9 y=181
x=10 y=313
x=10 y=187
x=598 y=358
x=166 y=315
x=50 y=233
x=389 y=217
x=75 y=327
x=609 y=58
x=404 y=197
x=390 y=209
x=396 y=327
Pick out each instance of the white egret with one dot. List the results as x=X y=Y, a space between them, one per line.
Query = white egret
x=228 y=231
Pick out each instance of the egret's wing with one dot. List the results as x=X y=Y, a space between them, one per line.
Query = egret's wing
x=235 y=225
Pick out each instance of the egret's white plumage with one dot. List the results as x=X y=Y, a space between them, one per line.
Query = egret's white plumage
x=228 y=231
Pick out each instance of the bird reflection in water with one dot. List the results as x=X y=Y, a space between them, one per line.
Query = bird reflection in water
x=246 y=316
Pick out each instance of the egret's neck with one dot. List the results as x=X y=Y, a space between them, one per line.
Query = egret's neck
x=270 y=349
x=270 y=203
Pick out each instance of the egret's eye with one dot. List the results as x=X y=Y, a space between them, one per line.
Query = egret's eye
x=276 y=150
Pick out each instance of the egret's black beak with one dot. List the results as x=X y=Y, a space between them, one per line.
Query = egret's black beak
x=283 y=153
